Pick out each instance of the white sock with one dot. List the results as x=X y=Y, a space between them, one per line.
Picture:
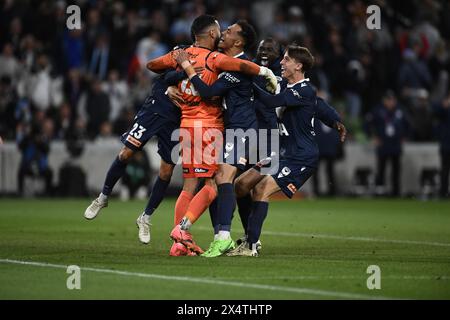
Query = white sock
x=216 y=236
x=185 y=224
x=102 y=197
x=224 y=235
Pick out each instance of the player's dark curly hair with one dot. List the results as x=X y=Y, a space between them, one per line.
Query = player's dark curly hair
x=248 y=33
x=201 y=23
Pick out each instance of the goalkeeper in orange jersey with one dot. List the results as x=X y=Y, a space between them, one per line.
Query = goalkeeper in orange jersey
x=201 y=118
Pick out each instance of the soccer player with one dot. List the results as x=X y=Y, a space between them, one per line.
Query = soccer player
x=298 y=148
x=268 y=55
x=239 y=114
x=200 y=113
x=157 y=117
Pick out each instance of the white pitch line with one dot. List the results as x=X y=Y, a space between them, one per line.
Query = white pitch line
x=343 y=277
x=317 y=292
x=330 y=236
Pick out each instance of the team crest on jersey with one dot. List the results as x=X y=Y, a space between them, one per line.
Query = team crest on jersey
x=295 y=93
x=284 y=172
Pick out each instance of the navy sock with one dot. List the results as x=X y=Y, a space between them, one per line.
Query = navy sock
x=157 y=195
x=213 y=213
x=115 y=172
x=225 y=205
x=256 y=220
x=245 y=208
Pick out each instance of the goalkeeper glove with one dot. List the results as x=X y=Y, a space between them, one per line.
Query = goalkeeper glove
x=271 y=84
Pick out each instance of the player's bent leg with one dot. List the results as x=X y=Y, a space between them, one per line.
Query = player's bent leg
x=246 y=182
x=199 y=203
x=186 y=196
x=115 y=172
x=196 y=207
x=265 y=188
x=225 y=173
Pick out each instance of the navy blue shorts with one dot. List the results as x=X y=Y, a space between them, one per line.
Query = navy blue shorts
x=290 y=176
x=241 y=151
x=265 y=146
x=148 y=124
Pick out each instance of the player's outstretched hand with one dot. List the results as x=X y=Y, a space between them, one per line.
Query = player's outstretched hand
x=175 y=95
x=271 y=84
x=342 y=131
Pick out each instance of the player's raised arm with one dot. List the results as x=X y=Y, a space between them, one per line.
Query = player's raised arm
x=225 y=63
x=218 y=88
x=162 y=63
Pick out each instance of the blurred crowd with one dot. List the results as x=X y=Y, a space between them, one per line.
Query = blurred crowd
x=60 y=84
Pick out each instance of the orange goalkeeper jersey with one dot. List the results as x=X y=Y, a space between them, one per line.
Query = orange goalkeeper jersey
x=194 y=107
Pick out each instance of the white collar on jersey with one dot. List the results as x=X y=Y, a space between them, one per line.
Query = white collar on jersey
x=239 y=54
x=291 y=85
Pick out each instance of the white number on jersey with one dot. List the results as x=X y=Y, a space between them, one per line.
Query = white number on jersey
x=139 y=133
x=188 y=88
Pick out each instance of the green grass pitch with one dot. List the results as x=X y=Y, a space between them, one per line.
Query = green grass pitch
x=312 y=249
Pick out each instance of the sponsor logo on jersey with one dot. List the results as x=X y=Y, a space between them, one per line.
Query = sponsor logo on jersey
x=292 y=188
x=133 y=141
x=229 y=77
x=200 y=170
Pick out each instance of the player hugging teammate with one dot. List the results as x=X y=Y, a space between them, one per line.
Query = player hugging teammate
x=202 y=75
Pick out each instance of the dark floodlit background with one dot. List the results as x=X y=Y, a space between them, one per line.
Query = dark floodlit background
x=66 y=96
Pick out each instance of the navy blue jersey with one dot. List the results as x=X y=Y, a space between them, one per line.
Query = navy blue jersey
x=326 y=113
x=237 y=91
x=326 y=137
x=267 y=118
x=158 y=102
x=297 y=137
